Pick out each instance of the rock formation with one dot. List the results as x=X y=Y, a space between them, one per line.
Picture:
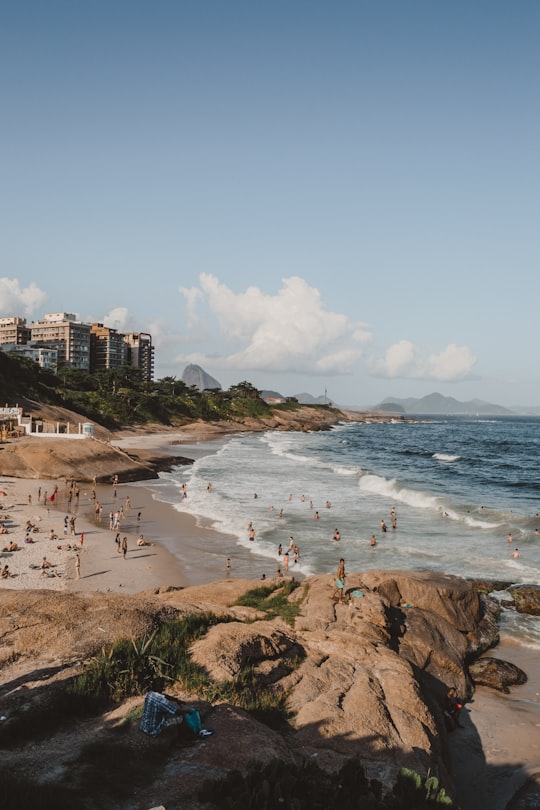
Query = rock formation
x=198 y=377
x=365 y=678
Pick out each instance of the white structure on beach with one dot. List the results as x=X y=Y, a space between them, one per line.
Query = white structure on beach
x=14 y=424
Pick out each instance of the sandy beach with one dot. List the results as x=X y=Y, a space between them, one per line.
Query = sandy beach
x=102 y=567
x=492 y=755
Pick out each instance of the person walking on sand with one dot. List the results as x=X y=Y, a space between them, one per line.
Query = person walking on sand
x=124 y=546
x=77 y=566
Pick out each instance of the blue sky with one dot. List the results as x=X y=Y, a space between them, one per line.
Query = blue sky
x=305 y=195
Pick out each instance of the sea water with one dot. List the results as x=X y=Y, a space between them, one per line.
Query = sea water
x=459 y=487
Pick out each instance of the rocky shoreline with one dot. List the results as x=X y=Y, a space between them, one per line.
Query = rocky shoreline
x=371 y=681
x=365 y=679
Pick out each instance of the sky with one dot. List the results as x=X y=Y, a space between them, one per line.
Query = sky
x=309 y=196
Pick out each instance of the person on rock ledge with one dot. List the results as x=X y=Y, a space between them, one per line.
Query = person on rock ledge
x=452 y=709
x=162 y=712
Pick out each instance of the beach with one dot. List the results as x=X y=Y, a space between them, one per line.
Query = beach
x=102 y=567
x=494 y=753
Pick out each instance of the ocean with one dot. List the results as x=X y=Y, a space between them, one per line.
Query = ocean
x=459 y=487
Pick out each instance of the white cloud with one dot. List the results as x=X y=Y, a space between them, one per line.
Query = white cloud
x=289 y=331
x=453 y=363
x=118 y=318
x=192 y=295
x=14 y=299
x=408 y=361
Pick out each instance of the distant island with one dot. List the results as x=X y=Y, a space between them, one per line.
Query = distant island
x=439 y=404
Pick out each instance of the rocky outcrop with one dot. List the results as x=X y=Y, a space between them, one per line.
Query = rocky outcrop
x=82 y=459
x=365 y=678
x=196 y=376
x=497 y=674
x=526 y=599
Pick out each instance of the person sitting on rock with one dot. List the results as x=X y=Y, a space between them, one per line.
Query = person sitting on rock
x=452 y=709
x=161 y=712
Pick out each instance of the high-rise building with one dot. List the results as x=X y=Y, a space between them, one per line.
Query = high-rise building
x=70 y=338
x=108 y=348
x=141 y=353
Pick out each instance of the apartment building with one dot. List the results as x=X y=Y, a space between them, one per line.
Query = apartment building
x=14 y=331
x=60 y=340
x=108 y=348
x=43 y=356
x=141 y=353
x=70 y=338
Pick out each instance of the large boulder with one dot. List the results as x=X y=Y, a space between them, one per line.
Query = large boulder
x=496 y=673
x=228 y=648
x=526 y=598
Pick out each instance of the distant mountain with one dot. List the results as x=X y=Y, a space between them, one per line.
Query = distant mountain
x=303 y=399
x=195 y=375
x=438 y=404
x=308 y=399
x=267 y=394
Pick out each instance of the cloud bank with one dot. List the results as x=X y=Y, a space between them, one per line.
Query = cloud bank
x=408 y=361
x=292 y=331
x=17 y=301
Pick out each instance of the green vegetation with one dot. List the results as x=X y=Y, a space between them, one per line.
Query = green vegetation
x=283 y=786
x=128 y=667
x=120 y=397
x=274 y=605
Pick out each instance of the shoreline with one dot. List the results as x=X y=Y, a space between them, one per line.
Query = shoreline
x=492 y=757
